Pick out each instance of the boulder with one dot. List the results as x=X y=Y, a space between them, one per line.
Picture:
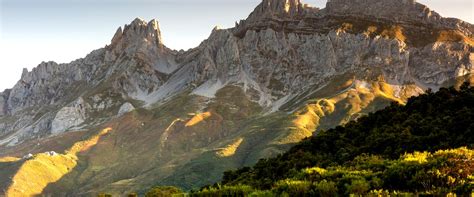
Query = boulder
x=125 y=108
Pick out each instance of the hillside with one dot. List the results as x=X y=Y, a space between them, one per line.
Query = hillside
x=416 y=148
x=285 y=73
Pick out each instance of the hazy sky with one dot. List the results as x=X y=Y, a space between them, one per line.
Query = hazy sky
x=32 y=31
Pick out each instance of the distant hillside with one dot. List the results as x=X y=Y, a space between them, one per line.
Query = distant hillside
x=371 y=154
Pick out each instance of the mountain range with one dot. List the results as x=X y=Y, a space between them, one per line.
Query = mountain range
x=135 y=113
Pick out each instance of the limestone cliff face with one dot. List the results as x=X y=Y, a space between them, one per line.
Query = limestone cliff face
x=3 y=102
x=284 y=49
x=135 y=64
x=70 y=116
x=400 y=11
x=278 y=76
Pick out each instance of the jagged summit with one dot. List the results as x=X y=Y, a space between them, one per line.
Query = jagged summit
x=138 y=21
x=396 y=10
x=274 y=12
x=279 y=9
x=139 y=29
x=295 y=16
x=141 y=40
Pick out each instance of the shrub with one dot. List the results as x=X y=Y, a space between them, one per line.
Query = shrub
x=359 y=187
x=325 y=188
x=236 y=190
x=262 y=194
x=293 y=188
x=163 y=191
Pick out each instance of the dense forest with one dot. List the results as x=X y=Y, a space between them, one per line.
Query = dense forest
x=423 y=147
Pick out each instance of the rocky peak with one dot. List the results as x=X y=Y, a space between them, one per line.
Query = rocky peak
x=141 y=40
x=42 y=71
x=295 y=16
x=271 y=13
x=392 y=9
x=117 y=36
x=24 y=73
x=397 y=11
x=138 y=30
x=3 y=102
x=279 y=9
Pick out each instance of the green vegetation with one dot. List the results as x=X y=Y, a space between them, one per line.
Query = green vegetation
x=164 y=191
x=370 y=156
x=442 y=172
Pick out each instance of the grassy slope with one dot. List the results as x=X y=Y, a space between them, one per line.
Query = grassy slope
x=33 y=175
x=180 y=142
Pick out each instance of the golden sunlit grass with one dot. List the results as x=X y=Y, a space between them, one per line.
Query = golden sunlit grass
x=385 y=90
x=37 y=173
x=230 y=149
x=87 y=144
x=198 y=118
x=343 y=106
x=308 y=118
x=9 y=159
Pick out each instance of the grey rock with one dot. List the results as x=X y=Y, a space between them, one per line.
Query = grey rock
x=3 y=102
x=28 y=156
x=400 y=11
x=125 y=108
x=51 y=153
x=69 y=116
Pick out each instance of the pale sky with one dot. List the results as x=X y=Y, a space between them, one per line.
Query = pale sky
x=32 y=31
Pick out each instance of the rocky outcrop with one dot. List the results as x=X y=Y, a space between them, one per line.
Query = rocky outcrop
x=125 y=108
x=142 y=41
x=50 y=83
x=135 y=64
x=399 y=11
x=294 y=16
x=3 y=102
x=139 y=59
x=276 y=14
x=278 y=8
x=285 y=48
x=70 y=116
